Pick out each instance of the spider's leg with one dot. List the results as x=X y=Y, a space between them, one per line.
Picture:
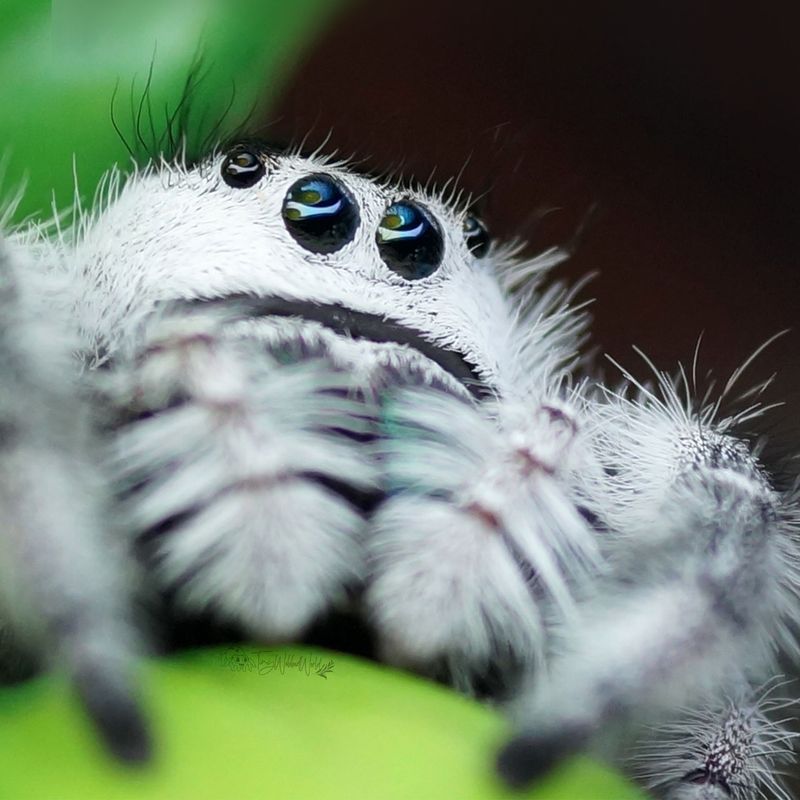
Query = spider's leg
x=227 y=463
x=63 y=585
x=732 y=747
x=477 y=534
x=704 y=582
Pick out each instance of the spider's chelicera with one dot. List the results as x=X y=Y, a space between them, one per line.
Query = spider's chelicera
x=265 y=340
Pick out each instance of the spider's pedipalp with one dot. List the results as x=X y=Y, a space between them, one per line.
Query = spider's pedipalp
x=229 y=459
x=64 y=580
x=479 y=536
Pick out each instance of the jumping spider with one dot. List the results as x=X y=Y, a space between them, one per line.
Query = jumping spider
x=321 y=392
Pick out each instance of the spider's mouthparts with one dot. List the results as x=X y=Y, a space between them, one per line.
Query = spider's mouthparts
x=355 y=325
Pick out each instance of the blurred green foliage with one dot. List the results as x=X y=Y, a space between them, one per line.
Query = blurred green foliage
x=61 y=64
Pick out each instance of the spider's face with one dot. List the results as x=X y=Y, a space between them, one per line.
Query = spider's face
x=378 y=277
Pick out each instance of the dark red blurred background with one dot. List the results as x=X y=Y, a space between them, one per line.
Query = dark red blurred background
x=679 y=120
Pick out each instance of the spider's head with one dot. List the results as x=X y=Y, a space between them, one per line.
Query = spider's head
x=382 y=279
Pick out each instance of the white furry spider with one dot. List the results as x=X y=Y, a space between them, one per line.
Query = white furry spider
x=323 y=393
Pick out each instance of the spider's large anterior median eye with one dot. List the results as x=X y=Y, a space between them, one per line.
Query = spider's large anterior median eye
x=320 y=214
x=243 y=168
x=476 y=236
x=410 y=240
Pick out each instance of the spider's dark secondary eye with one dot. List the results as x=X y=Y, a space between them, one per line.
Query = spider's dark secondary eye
x=476 y=236
x=242 y=169
x=410 y=240
x=320 y=214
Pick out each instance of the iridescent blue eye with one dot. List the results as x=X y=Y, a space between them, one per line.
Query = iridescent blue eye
x=320 y=214
x=476 y=236
x=410 y=240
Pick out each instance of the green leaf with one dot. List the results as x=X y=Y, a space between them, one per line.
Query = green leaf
x=59 y=70
x=283 y=723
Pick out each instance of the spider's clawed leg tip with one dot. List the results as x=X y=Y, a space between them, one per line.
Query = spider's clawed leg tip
x=119 y=719
x=131 y=743
x=525 y=758
x=532 y=755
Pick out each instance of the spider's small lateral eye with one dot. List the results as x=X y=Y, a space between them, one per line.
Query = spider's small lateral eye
x=410 y=240
x=242 y=169
x=320 y=214
x=476 y=236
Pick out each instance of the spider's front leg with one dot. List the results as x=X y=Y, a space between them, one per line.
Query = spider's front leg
x=704 y=581
x=227 y=460
x=734 y=746
x=64 y=583
x=479 y=540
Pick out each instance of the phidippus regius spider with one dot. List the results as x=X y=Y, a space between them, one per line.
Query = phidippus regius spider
x=303 y=392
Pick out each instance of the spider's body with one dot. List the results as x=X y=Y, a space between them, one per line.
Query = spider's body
x=268 y=338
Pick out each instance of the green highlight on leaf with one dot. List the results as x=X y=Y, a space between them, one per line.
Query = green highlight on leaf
x=286 y=723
